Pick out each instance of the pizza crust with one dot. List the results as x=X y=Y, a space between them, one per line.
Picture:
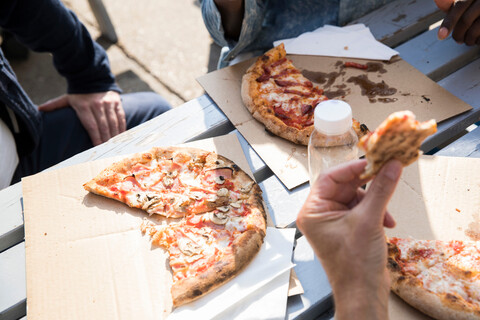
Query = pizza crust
x=259 y=108
x=191 y=289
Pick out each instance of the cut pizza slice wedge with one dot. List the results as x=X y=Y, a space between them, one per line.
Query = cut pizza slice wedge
x=206 y=251
x=439 y=278
x=174 y=182
x=398 y=137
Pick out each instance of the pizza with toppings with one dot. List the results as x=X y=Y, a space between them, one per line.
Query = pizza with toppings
x=440 y=278
x=279 y=96
x=216 y=220
x=398 y=137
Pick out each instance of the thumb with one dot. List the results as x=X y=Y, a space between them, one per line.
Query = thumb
x=54 y=104
x=381 y=190
x=444 y=5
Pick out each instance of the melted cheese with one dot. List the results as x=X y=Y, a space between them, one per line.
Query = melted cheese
x=444 y=267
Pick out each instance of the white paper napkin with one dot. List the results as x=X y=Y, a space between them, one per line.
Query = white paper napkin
x=263 y=282
x=355 y=41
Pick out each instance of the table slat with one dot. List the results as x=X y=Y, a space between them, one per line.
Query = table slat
x=466 y=146
x=12 y=283
x=434 y=58
x=401 y=20
x=464 y=84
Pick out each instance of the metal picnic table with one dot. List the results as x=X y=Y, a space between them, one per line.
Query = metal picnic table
x=403 y=25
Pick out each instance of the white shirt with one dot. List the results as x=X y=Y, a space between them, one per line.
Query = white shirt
x=8 y=155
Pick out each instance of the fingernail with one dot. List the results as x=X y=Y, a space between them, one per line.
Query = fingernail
x=393 y=169
x=442 y=33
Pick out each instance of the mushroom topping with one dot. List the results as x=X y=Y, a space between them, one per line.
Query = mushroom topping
x=167 y=181
x=224 y=208
x=223 y=192
x=152 y=201
x=172 y=174
x=181 y=204
x=220 y=180
x=237 y=204
x=188 y=247
x=155 y=208
x=195 y=195
x=219 y=162
x=247 y=187
x=219 y=217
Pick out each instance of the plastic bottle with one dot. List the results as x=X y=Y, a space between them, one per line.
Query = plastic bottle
x=333 y=141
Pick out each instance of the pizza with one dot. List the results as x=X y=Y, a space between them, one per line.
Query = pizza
x=279 y=96
x=439 y=278
x=216 y=220
x=398 y=137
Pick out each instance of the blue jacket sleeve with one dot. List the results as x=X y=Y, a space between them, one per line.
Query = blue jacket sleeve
x=251 y=26
x=48 y=26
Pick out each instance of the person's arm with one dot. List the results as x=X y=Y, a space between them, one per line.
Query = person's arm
x=344 y=226
x=48 y=26
x=461 y=20
x=231 y=12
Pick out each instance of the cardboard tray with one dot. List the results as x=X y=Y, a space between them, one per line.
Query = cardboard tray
x=403 y=88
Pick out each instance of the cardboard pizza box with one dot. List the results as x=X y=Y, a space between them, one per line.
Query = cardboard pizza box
x=436 y=198
x=85 y=255
x=373 y=95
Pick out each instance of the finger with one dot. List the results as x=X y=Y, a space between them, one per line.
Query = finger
x=452 y=17
x=101 y=120
x=380 y=191
x=122 y=122
x=466 y=23
x=340 y=183
x=112 y=119
x=473 y=33
x=388 y=220
x=89 y=122
x=444 y=5
x=54 y=104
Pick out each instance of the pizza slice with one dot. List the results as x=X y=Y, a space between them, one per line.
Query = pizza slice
x=208 y=250
x=398 y=137
x=279 y=96
x=173 y=182
x=439 y=278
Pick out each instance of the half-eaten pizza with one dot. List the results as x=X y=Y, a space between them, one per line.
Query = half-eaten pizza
x=279 y=96
x=220 y=219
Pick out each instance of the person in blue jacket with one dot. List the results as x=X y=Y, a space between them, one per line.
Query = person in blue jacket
x=251 y=26
x=91 y=112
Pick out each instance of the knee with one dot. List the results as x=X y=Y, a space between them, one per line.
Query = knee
x=143 y=106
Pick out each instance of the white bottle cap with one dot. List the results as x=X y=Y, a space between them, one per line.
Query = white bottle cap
x=333 y=117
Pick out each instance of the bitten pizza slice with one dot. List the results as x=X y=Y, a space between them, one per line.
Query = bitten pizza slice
x=439 y=278
x=398 y=137
x=279 y=96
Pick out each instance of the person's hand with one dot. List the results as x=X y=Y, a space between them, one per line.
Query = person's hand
x=462 y=19
x=101 y=114
x=344 y=225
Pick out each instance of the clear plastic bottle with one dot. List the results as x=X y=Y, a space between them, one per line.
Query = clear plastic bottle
x=333 y=141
